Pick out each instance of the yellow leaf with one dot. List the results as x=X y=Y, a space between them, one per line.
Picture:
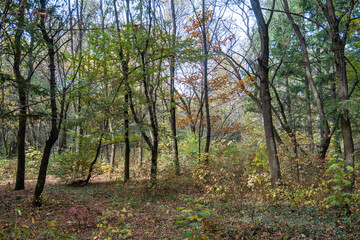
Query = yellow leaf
x=33 y=220
x=25 y=226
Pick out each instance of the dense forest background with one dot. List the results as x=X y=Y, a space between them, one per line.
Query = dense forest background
x=223 y=101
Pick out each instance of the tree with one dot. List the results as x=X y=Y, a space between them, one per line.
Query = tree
x=175 y=150
x=22 y=91
x=204 y=32
x=319 y=103
x=22 y=48
x=124 y=60
x=339 y=24
x=263 y=74
x=50 y=42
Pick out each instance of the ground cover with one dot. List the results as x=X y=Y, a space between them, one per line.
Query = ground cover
x=179 y=208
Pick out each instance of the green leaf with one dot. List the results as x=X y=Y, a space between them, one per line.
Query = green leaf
x=334 y=166
x=18 y=211
x=204 y=214
x=194 y=224
x=346 y=182
x=336 y=180
x=349 y=168
x=186 y=211
x=187 y=234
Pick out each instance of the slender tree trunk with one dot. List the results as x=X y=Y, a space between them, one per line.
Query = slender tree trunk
x=113 y=147
x=263 y=71
x=125 y=72
x=309 y=125
x=175 y=151
x=63 y=140
x=323 y=122
x=80 y=130
x=125 y=68
x=206 y=90
x=154 y=157
x=95 y=160
x=20 y=173
x=200 y=127
x=22 y=91
x=54 y=132
x=3 y=132
x=292 y=126
x=127 y=140
x=344 y=116
x=150 y=96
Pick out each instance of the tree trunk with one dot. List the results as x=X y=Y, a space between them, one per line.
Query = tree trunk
x=175 y=151
x=125 y=69
x=127 y=141
x=323 y=122
x=62 y=141
x=113 y=147
x=263 y=72
x=292 y=126
x=206 y=91
x=94 y=161
x=79 y=128
x=309 y=125
x=6 y=153
x=22 y=91
x=338 y=39
x=125 y=73
x=20 y=173
x=339 y=51
x=54 y=132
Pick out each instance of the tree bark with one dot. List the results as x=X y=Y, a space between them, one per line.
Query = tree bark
x=206 y=90
x=125 y=73
x=54 y=132
x=113 y=147
x=22 y=92
x=95 y=160
x=6 y=152
x=140 y=156
x=175 y=151
x=127 y=141
x=263 y=72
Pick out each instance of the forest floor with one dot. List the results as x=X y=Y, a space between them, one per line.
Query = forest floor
x=178 y=209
